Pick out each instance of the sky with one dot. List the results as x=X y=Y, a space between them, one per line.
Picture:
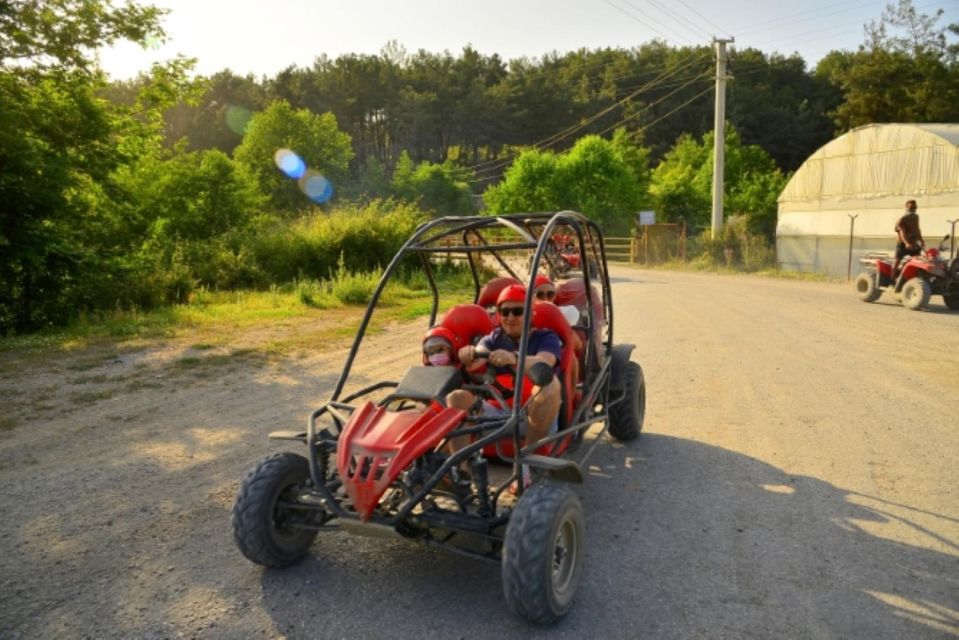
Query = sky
x=262 y=38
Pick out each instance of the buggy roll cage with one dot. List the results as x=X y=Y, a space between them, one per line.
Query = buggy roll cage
x=464 y=235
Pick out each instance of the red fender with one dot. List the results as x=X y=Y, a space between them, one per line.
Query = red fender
x=377 y=445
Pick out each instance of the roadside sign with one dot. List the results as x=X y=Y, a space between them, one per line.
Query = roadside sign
x=647 y=217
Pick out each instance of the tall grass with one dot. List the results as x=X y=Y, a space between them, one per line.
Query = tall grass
x=405 y=295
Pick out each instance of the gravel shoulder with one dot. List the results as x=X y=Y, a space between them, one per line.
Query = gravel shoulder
x=796 y=478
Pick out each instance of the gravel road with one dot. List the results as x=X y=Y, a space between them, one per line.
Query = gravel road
x=796 y=478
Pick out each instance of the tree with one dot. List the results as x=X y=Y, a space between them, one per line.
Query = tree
x=913 y=77
x=682 y=183
x=776 y=104
x=316 y=139
x=440 y=188
x=61 y=34
x=602 y=179
x=59 y=144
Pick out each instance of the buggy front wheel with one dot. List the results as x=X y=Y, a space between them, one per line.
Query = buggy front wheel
x=543 y=553
x=263 y=518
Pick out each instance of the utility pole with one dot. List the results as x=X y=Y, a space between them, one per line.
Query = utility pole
x=719 y=131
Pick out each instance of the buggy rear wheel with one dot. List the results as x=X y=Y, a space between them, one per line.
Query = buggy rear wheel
x=866 y=287
x=543 y=553
x=916 y=294
x=262 y=521
x=626 y=417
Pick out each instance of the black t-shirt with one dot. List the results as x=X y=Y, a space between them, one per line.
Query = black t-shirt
x=909 y=226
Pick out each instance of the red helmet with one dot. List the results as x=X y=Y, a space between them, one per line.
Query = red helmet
x=438 y=334
x=512 y=293
x=541 y=280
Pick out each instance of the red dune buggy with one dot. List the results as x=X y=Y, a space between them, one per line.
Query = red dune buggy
x=919 y=278
x=376 y=458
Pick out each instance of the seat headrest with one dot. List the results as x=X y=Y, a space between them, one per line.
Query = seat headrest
x=492 y=289
x=547 y=315
x=572 y=291
x=467 y=321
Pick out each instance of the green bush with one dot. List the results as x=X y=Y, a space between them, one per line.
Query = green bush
x=735 y=248
x=366 y=237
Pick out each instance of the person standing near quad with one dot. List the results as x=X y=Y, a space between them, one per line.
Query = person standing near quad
x=909 y=236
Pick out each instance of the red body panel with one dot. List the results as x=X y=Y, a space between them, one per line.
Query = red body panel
x=377 y=445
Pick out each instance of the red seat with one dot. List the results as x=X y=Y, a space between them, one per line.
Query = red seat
x=491 y=290
x=573 y=292
x=468 y=322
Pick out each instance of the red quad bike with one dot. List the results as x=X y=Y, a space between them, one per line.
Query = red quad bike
x=376 y=463
x=920 y=277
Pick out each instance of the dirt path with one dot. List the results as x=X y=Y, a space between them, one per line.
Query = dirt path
x=797 y=478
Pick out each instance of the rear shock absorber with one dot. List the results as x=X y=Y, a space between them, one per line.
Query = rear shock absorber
x=481 y=478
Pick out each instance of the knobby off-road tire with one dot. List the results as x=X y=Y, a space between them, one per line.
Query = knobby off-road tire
x=866 y=287
x=916 y=294
x=259 y=521
x=627 y=416
x=543 y=553
x=951 y=296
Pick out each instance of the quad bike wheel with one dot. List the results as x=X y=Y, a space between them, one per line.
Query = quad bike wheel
x=951 y=296
x=916 y=294
x=543 y=553
x=261 y=526
x=626 y=417
x=866 y=287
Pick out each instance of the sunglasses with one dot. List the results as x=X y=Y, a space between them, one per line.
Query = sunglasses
x=511 y=311
x=545 y=295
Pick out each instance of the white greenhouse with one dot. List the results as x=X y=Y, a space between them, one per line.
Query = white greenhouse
x=868 y=173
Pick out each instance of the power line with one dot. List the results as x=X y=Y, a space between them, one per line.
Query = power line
x=550 y=140
x=707 y=20
x=482 y=175
x=646 y=22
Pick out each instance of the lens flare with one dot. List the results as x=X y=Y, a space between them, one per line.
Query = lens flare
x=316 y=187
x=289 y=163
x=237 y=118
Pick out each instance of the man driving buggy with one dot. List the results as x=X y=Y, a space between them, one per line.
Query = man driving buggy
x=502 y=346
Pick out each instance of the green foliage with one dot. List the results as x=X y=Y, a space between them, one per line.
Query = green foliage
x=311 y=246
x=681 y=186
x=605 y=180
x=913 y=77
x=59 y=34
x=527 y=186
x=353 y=287
x=442 y=189
x=315 y=138
x=736 y=248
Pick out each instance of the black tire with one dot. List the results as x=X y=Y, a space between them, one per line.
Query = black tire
x=951 y=296
x=259 y=521
x=916 y=294
x=866 y=287
x=627 y=416
x=543 y=553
